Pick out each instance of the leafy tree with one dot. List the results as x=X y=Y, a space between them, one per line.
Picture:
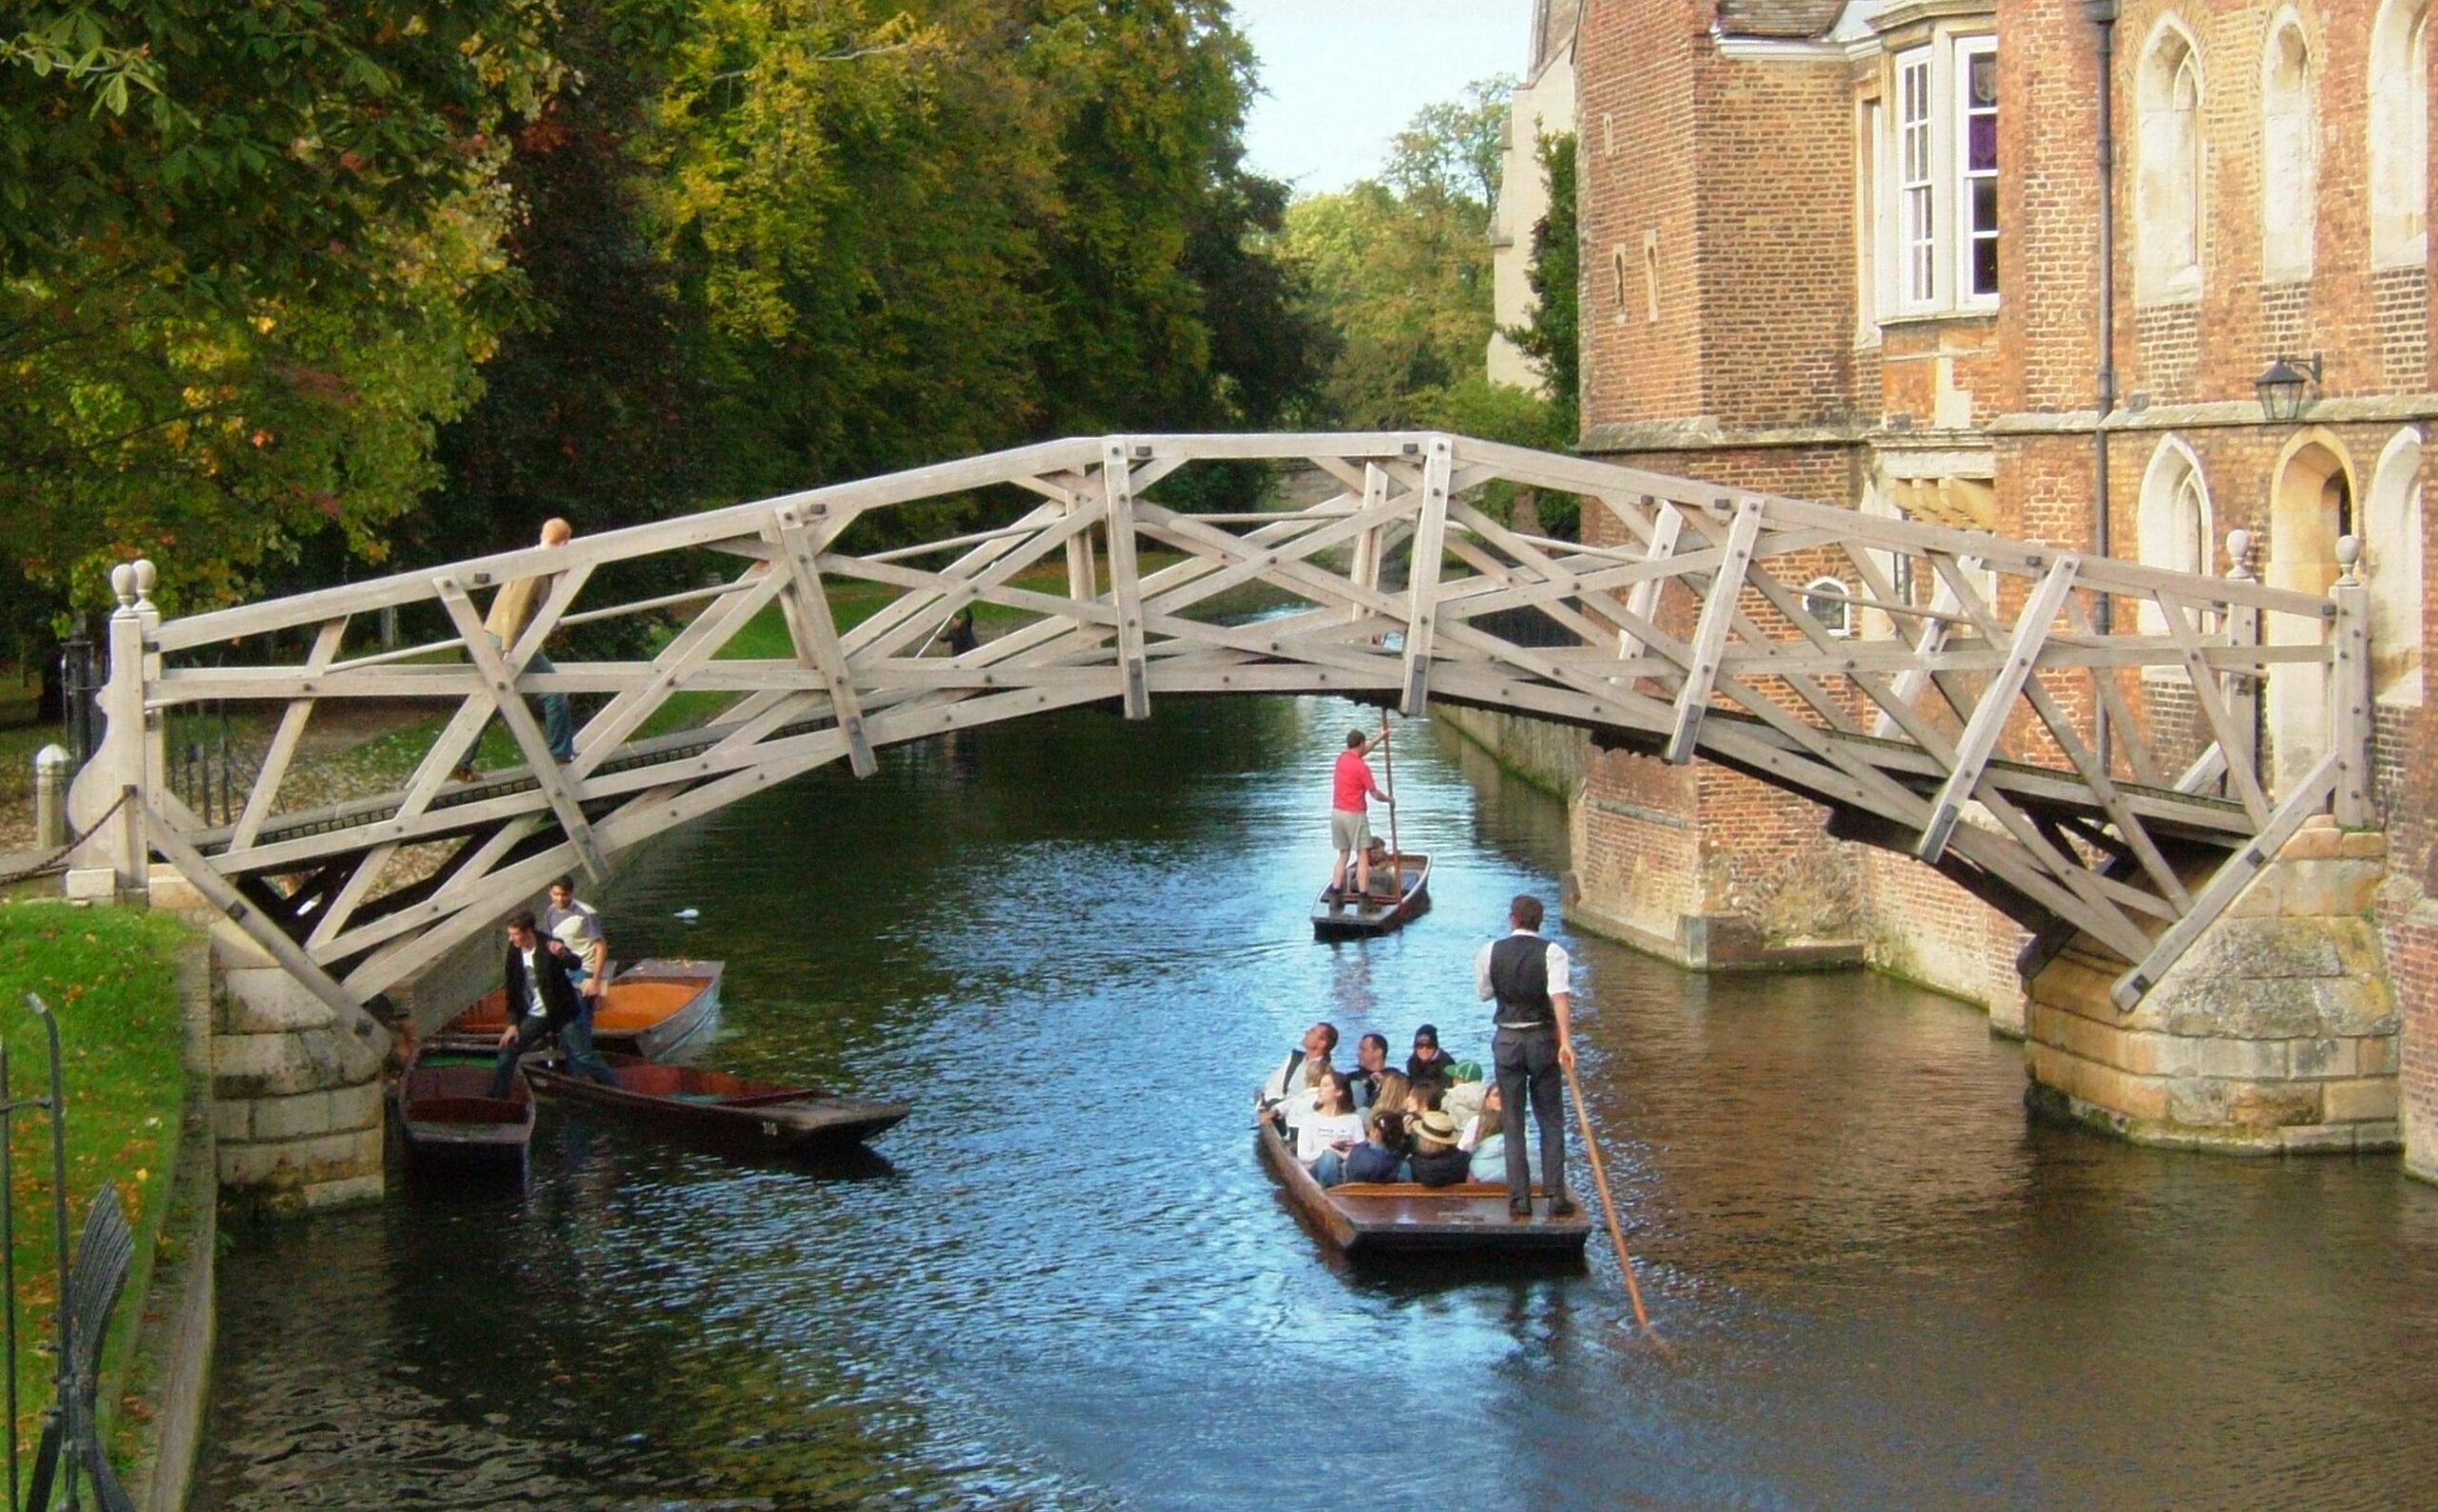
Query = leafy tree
x=1552 y=337
x=1400 y=267
x=249 y=257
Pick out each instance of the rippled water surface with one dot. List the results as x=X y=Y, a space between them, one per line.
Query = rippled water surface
x=1064 y=1282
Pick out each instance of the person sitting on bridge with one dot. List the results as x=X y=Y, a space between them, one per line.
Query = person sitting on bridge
x=1349 y=819
x=1332 y=1130
x=541 y=1002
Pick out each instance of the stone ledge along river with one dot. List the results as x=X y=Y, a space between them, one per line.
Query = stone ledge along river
x=1074 y=944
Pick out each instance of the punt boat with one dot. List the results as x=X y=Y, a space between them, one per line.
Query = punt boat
x=649 y=1009
x=446 y=1107
x=715 y=1104
x=1376 y=912
x=1375 y=1218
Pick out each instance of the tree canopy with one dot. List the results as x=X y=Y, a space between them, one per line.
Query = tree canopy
x=286 y=284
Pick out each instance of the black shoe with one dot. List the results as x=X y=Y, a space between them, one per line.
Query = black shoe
x=1519 y=1207
x=1563 y=1207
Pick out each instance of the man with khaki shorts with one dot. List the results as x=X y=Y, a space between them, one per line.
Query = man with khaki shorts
x=1349 y=819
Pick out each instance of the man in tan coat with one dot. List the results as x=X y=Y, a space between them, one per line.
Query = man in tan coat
x=512 y=610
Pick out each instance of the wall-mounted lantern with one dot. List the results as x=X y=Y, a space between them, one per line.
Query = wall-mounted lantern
x=2286 y=388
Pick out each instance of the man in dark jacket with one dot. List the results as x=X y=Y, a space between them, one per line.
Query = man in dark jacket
x=541 y=1002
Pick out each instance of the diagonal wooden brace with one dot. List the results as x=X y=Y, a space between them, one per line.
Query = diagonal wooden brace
x=1997 y=705
x=1709 y=638
x=818 y=646
x=485 y=656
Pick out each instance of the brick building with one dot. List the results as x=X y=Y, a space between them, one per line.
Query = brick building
x=1850 y=249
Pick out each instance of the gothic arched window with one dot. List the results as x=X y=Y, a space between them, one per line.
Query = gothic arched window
x=2400 y=134
x=2289 y=155
x=2167 y=193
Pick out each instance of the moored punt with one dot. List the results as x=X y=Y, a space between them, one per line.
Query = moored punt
x=715 y=1104
x=1375 y=912
x=446 y=1107
x=1406 y=1218
x=651 y=1009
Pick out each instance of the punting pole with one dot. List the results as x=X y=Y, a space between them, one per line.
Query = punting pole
x=1388 y=766
x=1609 y=1207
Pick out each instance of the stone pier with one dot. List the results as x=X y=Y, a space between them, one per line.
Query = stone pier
x=296 y=1099
x=2277 y=1032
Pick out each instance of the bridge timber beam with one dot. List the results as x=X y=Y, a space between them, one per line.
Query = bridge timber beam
x=1940 y=700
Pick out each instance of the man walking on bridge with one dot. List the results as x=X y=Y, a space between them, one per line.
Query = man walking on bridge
x=1349 y=819
x=1534 y=1048
x=512 y=610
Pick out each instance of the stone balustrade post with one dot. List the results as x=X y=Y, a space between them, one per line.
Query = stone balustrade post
x=52 y=770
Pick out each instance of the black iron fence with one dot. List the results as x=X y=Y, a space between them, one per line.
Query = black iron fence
x=70 y=1463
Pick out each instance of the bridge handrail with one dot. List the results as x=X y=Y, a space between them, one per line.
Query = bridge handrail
x=1614 y=484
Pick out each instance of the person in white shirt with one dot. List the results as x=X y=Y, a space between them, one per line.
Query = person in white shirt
x=1333 y=1129
x=1293 y=1081
x=1530 y=977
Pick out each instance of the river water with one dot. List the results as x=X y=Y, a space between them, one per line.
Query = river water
x=1066 y=1281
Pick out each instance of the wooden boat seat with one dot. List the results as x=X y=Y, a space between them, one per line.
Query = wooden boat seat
x=632 y=1005
x=467 y=1110
x=1417 y=1189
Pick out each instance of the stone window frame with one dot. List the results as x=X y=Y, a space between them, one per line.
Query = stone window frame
x=2172 y=166
x=1922 y=222
x=2391 y=516
x=2173 y=528
x=2397 y=123
x=2288 y=129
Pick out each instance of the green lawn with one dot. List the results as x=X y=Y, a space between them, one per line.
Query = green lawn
x=110 y=974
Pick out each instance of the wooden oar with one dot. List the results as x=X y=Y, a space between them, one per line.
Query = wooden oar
x=1609 y=1207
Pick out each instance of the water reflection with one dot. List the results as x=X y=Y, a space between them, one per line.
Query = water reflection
x=1065 y=1282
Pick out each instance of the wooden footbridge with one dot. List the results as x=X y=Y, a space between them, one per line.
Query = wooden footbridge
x=1993 y=707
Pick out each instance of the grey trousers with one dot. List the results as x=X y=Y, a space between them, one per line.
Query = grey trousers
x=1529 y=1074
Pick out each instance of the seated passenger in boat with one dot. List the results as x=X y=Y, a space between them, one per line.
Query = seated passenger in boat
x=1296 y=1075
x=1333 y=1129
x=1395 y=1096
x=1371 y=1065
x=1484 y=1140
x=1436 y=1161
x=1387 y=885
x=1429 y=1062
x=1382 y=1157
x=1466 y=1093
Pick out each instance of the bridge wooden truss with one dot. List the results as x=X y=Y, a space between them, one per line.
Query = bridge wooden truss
x=1968 y=698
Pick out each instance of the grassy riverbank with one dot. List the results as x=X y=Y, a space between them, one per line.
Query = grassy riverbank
x=111 y=975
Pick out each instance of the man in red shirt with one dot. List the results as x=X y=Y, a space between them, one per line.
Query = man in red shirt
x=1350 y=822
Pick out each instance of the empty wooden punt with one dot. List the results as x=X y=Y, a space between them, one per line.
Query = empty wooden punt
x=1376 y=1219
x=449 y=1116
x=1375 y=912
x=718 y=1105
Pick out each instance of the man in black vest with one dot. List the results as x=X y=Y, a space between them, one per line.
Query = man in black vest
x=1534 y=1048
x=541 y=1000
